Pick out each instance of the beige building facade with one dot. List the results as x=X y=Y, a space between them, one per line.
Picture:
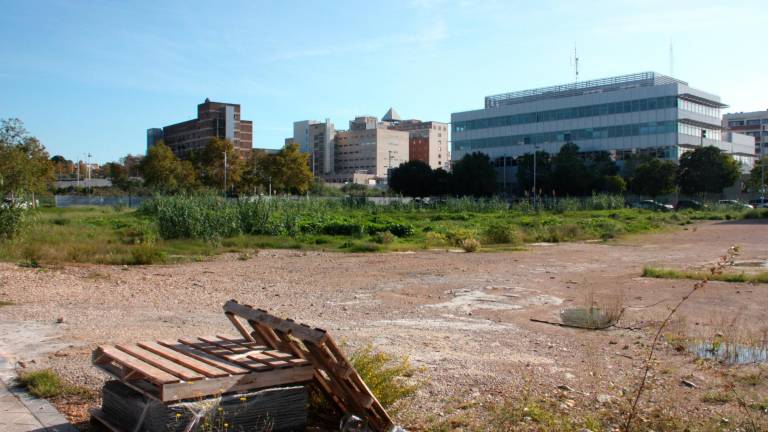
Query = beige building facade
x=369 y=147
x=428 y=142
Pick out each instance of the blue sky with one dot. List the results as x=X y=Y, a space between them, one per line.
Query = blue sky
x=92 y=76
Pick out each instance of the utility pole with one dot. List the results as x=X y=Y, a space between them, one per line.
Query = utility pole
x=762 y=163
x=225 y=173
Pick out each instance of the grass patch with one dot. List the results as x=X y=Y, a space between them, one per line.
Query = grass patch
x=6 y=303
x=178 y=229
x=46 y=384
x=717 y=397
x=662 y=273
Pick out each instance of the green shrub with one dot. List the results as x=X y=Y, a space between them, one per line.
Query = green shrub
x=145 y=254
x=398 y=229
x=503 y=232
x=385 y=237
x=364 y=247
x=206 y=217
x=470 y=245
x=756 y=214
x=342 y=227
x=11 y=221
x=457 y=236
x=386 y=375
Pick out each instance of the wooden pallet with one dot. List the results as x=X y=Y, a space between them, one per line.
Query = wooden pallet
x=191 y=368
x=333 y=374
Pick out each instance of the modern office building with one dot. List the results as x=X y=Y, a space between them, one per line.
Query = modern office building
x=644 y=113
x=754 y=124
x=214 y=120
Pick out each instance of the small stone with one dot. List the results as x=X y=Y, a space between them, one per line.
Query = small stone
x=565 y=387
x=688 y=383
x=604 y=398
x=59 y=320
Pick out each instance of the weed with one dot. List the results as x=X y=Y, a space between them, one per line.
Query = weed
x=6 y=303
x=387 y=376
x=662 y=273
x=470 y=245
x=385 y=237
x=145 y=254
x=503 y=232
x=717 y=397
x=46 y=384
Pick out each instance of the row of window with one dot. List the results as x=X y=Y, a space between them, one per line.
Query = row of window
x=565 y=136
x=698 y=108
x=686 y=129
x=569 y=113
x=750 y=122
x=587 y=111
x=669 y=152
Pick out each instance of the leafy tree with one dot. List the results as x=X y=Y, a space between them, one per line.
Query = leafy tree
x=441 y=184
x=569 y=172
x=525 y=172
x=163 y=171
x=474 y=175
x=413 y=178
x=603 y=172
x=25 y=167
x=654 y=177
x=707 y=170
x=256 y=173
x=614 y=184
x=756 y=175
x=290 y=170
x=210 y=163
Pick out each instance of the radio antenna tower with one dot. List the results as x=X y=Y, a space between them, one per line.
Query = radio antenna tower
x=575 y=64
x=671 y=59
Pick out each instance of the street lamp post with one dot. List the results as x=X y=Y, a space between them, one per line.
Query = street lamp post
x=535 y=149
x=762 y=163
x=225 y=173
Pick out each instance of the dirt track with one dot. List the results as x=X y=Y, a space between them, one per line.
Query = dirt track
x=464 y=318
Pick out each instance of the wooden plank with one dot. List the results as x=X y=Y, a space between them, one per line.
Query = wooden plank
x=224 y=353
x=204 y=357
x=161 y=363
x=235 y=383
x=150 y=372
x=264 y=333
x=240 y=327
x=184 y=360
x=300 y=331
x=271 y=357
x=246 y=352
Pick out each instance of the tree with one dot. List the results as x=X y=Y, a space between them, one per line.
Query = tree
x=756 y=175
x=603 y=172
x=164 y=172
x=707 y=170
x=290 y=171
x=256 y=173
x=413 y=178
x=441 y=184
x=525 y=172
x=613 y=184
x=210 y=163
x=474 y=175
x=654 y=177
x=25 y=167
x=569 y=172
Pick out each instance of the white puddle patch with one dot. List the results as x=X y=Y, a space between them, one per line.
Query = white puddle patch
x=448 y=322
x=499 y=298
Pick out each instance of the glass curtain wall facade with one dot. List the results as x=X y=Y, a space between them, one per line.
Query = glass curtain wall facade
x=645 y=113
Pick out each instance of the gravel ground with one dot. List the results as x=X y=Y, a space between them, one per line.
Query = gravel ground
x=463 y=318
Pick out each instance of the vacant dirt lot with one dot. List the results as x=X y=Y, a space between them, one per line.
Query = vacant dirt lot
x=464 y=318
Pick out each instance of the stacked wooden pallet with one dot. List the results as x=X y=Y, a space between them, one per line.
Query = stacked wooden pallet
x=199 y=367
x=333 y=374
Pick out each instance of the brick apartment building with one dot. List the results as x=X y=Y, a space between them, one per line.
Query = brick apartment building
x=427 y=141
x=214 y=120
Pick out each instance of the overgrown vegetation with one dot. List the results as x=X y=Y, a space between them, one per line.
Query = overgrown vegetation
x=663 y=273
x=181 y=227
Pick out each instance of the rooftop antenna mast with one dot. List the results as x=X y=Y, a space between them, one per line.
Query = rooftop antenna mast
x=575 y=64
x=671 y=59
